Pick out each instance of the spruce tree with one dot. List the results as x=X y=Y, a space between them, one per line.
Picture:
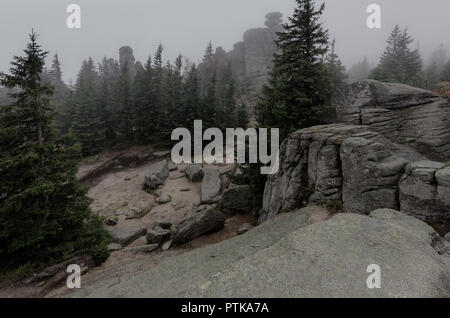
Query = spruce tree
x=60 y=94
x=88 y=126
x=299 y=85
x=399 y=63
x=336 y=69
x=144 y=101
x=108 y=77
x=44 y=211
x=157 y=88
x=192 y=101
x=242 y=116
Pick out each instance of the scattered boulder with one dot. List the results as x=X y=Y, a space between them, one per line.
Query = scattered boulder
x=164 y=198
x=157 y=175
x=166 y=245
x=172 y=166
x=162 y=154
x=126 y=234
x=237 y=199
x=211 y=189
x=244 y=228
x=425 y=191
x=162 y=224
x=194 y=172
x=139 y=213
x=158 y=235
x=114 y=247
x=112 y=221
x=195 y=224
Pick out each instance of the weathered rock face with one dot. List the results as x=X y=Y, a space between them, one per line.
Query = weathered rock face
x=157 y=175
x=425 y=191
x=286 y=257
x=359 y=168
x=338 y=162
x=251 y=59
x=197 y=223
x=403 y=114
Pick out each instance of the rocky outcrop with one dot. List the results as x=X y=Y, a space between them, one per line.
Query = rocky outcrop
x=126 y=59
x=251 y=59
x=157 y=175
x=359 y=168
x=425 y=191
x=287 y=257
x=197 y=223
x=403 y=114
x=346 y=163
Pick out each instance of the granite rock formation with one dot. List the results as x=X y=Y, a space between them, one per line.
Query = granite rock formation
x=358 y=168
x=251 y=59
x=126 y=57
x=403 y=114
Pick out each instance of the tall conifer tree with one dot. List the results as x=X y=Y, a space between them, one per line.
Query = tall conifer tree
x=299 y=85
x=44 y=211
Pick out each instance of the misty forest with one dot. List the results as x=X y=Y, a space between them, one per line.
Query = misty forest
x=86 y=175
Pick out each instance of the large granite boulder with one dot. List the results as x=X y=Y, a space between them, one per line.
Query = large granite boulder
x=157 y=175
x=371 y=171
x=287 y=257
x=403 y=114
x=197 y=223
x=345 y=163
x=425 y=191
x=360 y=169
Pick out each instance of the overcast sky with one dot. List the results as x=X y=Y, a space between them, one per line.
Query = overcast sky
x=186 y=26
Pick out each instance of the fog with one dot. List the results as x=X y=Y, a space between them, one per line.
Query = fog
x=186 y=26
